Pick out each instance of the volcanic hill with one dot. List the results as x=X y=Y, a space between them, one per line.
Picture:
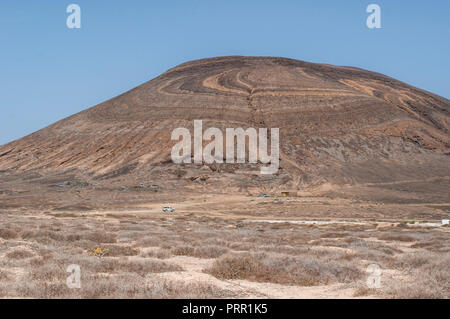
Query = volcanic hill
x=343 y=130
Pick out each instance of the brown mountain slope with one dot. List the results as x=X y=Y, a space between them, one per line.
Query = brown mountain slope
x=338 y=126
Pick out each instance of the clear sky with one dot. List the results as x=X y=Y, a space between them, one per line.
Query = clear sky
x=48 y=71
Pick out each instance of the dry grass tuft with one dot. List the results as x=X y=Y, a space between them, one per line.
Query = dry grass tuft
x=157 y=253
x=302 y=271
x=397 y=237
x=209 y=251
x=3 y=275
x=120 y=250
x=18 y=253
x=102 y=237
x=120 y=286
x=428 y=277
x=8 y=233
x=146 y=266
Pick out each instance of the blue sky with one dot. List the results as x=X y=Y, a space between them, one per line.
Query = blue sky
x=48 y=72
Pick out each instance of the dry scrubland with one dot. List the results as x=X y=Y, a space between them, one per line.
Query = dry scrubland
x=183 y=255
